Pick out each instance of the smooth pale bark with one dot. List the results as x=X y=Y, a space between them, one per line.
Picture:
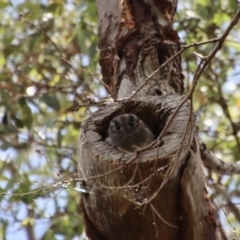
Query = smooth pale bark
x=158 y=192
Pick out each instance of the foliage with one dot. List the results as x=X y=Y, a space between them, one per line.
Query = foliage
x=48 y=60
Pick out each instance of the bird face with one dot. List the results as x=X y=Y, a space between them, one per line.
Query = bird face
x=127 y=131
x=124 y=124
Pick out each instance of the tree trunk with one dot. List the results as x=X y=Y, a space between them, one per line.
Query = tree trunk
x=157 y=192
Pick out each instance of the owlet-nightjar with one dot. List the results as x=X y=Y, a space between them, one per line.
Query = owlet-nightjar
x=129 y=133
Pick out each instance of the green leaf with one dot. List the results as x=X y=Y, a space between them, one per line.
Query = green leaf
x=27 y=117
x=56 y=8
x=51 y=101
x=3 y=229
x=18 y=122
x=5 y=3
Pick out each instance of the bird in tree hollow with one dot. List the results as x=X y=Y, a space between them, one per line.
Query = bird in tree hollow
x=128 y=132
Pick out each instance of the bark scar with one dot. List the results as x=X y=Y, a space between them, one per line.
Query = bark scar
x=127 y=14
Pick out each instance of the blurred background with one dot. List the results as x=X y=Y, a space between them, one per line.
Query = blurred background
x=50 y=81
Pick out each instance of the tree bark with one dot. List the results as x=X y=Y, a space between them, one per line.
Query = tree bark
x=157 y=192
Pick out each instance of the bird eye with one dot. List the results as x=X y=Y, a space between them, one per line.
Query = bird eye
x=117 y=126
x=131 y=121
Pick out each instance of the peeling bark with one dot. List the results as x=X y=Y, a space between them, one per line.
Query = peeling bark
x=136 y=37
x=198 y=217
